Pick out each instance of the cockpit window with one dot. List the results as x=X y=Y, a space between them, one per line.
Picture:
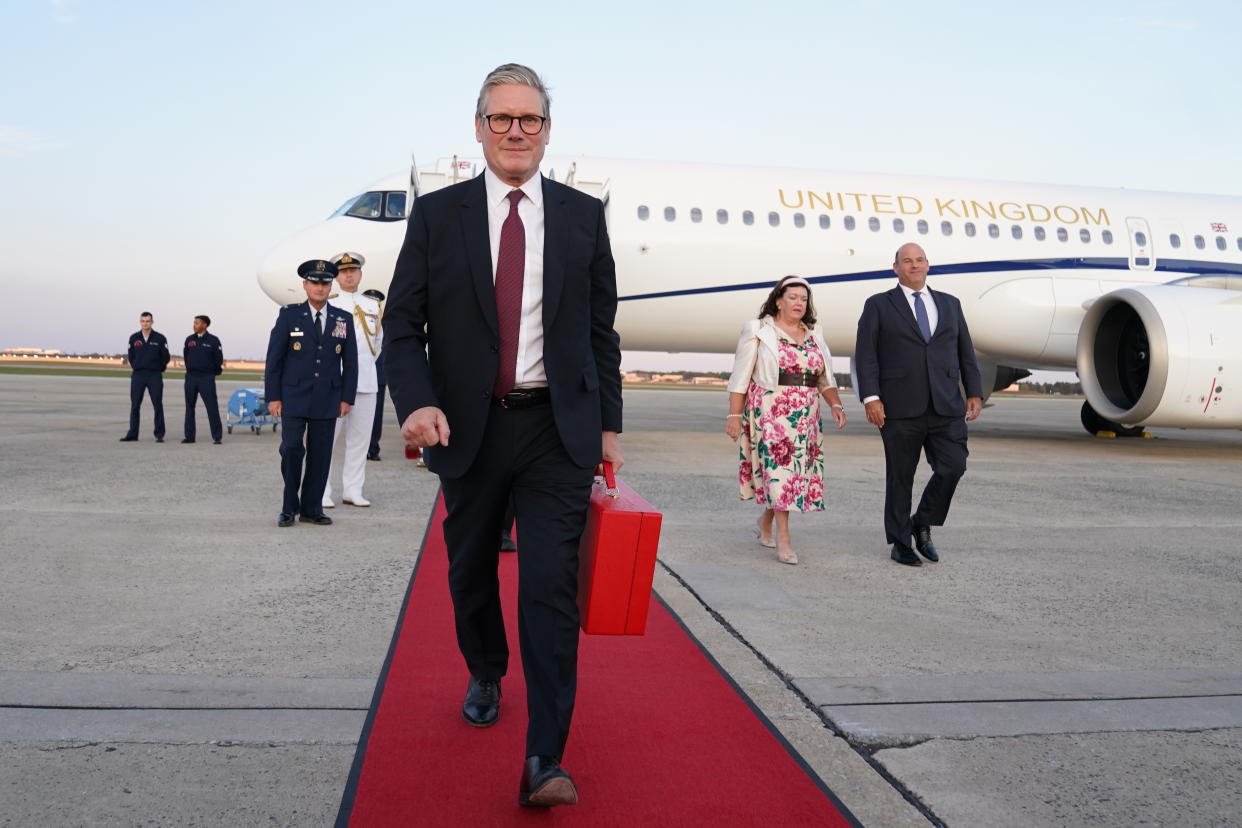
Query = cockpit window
x=394 y=205
x=375 y=206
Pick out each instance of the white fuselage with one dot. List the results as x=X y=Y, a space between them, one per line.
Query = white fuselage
x=698 y=246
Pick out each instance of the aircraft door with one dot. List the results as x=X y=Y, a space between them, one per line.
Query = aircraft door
x=1142 y=252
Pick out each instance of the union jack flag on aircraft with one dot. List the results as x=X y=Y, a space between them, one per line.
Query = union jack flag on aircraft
x=1219 y=227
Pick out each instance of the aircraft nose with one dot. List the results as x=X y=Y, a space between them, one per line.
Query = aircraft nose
x=278 y=273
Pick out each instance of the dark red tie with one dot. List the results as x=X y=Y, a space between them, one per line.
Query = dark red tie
x=510 y=272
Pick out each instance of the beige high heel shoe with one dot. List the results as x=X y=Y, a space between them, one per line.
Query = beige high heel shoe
x=768 y=542
x=785 y=553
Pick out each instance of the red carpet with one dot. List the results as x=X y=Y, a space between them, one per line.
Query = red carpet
x=660 y=736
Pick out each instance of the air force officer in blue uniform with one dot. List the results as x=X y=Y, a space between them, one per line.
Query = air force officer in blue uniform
x=148 y=357
x=204 y=361
x=311 y=379
x=912 y=352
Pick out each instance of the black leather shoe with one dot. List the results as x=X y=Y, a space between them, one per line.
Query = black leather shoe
x=128 y=439
x=215 y=442
x=373 y=455
x=923 y=542
x=188 y=440
x=318 y=520
x=546 y=783
x=284 y=519
x=903 y=554
x=482 y=705
x=159 y=439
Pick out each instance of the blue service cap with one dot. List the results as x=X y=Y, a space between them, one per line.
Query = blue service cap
x=318 y=271
x=372 y=293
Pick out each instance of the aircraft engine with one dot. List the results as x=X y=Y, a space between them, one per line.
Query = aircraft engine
x=1164 y=355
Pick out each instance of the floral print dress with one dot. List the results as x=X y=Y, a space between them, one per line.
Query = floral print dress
x=781 y=461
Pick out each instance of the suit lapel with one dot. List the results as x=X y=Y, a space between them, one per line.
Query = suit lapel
x=479 y=247
x=555 y=249
x=898 y=297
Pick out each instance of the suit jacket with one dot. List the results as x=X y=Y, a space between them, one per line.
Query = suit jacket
x=311 y=374
x=441 y=339
x=906 y=373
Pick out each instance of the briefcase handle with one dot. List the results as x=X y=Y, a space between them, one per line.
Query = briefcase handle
x=609 y=479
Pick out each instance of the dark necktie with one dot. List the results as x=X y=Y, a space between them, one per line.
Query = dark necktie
x=920 y=313
x=510 y=272
x=319 y=322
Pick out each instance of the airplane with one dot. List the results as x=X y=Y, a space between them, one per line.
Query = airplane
x=1139 y=292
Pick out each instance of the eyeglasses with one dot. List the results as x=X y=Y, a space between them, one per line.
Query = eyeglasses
x=530 y=124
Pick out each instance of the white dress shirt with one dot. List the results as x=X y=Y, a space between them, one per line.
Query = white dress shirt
x=933 y=315
x=530 y=372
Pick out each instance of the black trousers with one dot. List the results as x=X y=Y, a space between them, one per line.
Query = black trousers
x=377 y=425
x=944 y=441
x=522 y=458
x=316 y=451
x=202 y=385
x=151 y=382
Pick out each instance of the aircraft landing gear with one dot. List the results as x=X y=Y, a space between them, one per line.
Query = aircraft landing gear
x=1097 y=426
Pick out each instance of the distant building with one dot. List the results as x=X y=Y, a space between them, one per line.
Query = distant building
x=30 y=352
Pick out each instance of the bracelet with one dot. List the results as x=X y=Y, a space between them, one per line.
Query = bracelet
x=731 y=416
x=838 y=405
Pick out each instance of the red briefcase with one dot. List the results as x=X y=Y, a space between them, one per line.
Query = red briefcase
x=616 y=559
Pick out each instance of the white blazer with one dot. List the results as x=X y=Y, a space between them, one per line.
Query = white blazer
x=758 y=357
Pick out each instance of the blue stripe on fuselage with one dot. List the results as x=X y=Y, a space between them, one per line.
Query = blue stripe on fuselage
x=1181 y=266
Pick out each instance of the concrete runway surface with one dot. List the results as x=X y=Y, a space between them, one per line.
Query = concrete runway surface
x=168 y=656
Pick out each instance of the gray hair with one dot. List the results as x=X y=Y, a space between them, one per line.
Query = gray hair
x=514 y=73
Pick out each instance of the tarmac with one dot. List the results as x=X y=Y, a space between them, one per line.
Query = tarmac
x=168 y=656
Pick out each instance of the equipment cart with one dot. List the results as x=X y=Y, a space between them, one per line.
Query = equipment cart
x=247 y=407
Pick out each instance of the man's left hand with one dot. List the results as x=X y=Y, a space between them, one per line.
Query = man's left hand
x=612 y=450
x=974 y=405
x=344 y=409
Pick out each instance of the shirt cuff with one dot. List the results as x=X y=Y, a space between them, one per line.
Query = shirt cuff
x=872 y=398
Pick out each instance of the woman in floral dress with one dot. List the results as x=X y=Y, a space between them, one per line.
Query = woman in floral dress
x=781 y=369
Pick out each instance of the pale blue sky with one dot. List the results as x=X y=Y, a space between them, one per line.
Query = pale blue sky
x=151 y=153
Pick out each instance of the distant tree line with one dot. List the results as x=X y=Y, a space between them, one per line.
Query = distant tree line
x=1060 y=388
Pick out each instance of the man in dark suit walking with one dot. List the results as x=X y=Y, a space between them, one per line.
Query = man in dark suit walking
x=912 y=352
x=311 y=377
x=500 y=327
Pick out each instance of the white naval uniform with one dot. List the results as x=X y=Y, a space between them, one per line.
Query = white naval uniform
x=358 y=422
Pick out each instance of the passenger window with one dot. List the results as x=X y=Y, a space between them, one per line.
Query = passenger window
x=899 y=226
x=774 y=219
x=946 y=228
x=1107 y=236
x=1220 y=242
x=873 y=224
x=1084 y=235
x=366 y=206
x=921 y=227
x=1062 y=234
x=993 y=231
x=825 y=222
x=799 y=220
x=643 y=212
x=748 y=218
x=696 y=215
x=1140 y=238
x=1175 y=241
x=1016 y=231
x=722 y=216
x=970 y=229
x=849 y=222
x=670 y=214
x=394 y=205
x=1040 y=234
x=1200 y=243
